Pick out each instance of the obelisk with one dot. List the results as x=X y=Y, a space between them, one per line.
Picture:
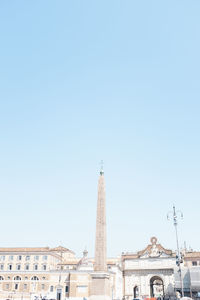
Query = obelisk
x=100 y=283
x=100 y=245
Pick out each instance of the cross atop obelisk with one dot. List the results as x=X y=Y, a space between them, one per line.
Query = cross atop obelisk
x=100 y=245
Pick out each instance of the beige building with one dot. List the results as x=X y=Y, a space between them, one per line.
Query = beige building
x=26 y=272
x=50 y=273
x=192 y=258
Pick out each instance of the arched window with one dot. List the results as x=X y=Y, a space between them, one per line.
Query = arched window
x=1 y=278
x=34 y=278
x=17 y=278
x=135 y=292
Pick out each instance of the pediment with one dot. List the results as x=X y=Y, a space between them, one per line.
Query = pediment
x=154 y=250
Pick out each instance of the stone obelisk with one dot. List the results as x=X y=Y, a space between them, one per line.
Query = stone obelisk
x=100 y=285
x=100 y=245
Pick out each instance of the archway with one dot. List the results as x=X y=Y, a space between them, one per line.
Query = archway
x=156 y=287
x=135 y=292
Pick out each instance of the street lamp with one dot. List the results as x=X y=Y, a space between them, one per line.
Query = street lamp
x=179 y=259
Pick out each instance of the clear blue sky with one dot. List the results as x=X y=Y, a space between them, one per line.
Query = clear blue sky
x=82 y=81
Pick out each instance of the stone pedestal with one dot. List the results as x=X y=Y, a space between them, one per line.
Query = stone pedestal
x=100 y=286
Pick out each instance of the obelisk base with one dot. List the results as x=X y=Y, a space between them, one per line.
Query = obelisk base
x=100 y=286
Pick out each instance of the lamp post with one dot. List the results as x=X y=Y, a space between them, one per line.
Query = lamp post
x=178 y=256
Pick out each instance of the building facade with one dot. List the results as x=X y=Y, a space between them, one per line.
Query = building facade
x=56 y=273
x=26 y=272
x=190 y=274
x=50 y=273
x=149 y=273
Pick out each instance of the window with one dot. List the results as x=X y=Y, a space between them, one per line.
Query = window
x=2 y=257
x=36 y=257
x=44 y=267
x=34 y=278
x=19 y=257
x=43 y=278
x=8 y=277
x=17 y=278
x=9 y=267
x=26 y=278
x=27 y=257
x=16 y=286
x=44 y=257
x=66 y=289
x=51 y=288
x=194 y=263
x=18 y=267
x=7 y=286
x=1 y=267
x=1 y=278
x=35 y=267
x=135 y=292
x=43 y=286
x=27 y=267
x=11 y=257
x=25 y=286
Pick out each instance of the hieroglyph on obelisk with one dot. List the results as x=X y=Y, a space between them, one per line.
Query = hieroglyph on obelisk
x=100 y=245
